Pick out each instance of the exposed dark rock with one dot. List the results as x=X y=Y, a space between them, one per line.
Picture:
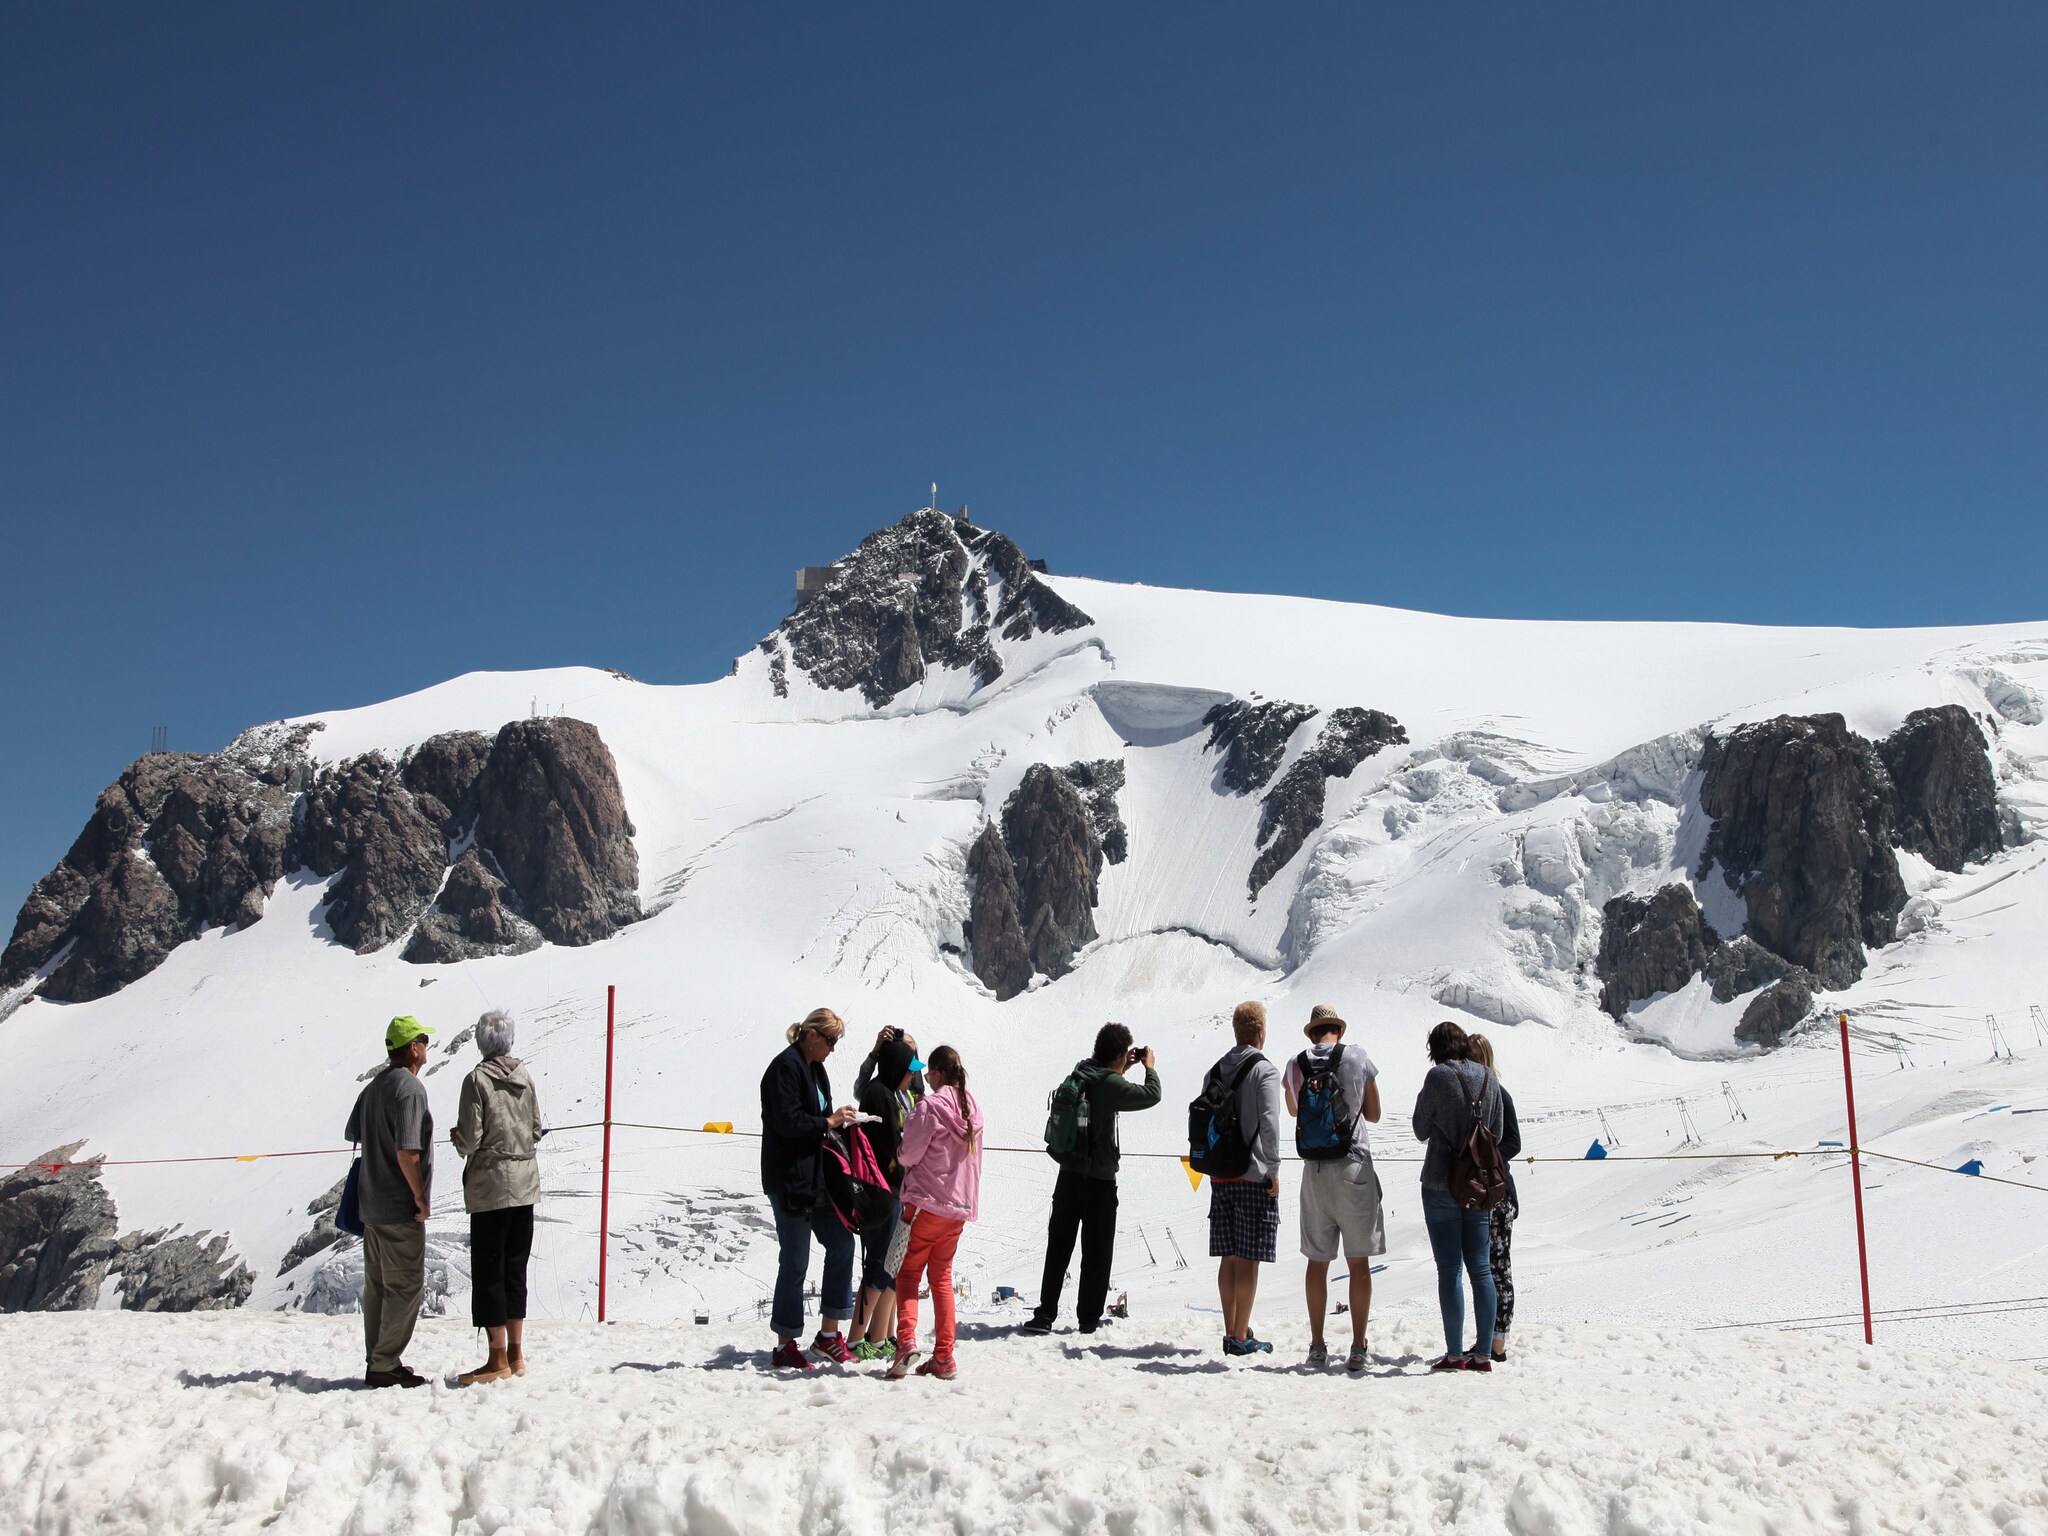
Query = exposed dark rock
x=1057 y=860
x=550 y=810
x=1099 y=783
x=995 y=935
x=442 y=773
x=1802 y=829
x=58 y=1247
x=1253 y=738
x=362 y=821
x=1944 y=797
x=179 y=842
x=1648 y=947
x=1776 y=1011
x=322 y=1235
x=476 y=914
x=56 y=1235
x=187 y=1273
x=1742 y=965
x=926 y=594
x=1293 y=808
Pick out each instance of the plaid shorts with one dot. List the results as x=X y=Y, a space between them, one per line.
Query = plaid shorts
x=1244 y=1220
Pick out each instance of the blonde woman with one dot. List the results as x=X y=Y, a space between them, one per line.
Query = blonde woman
x=1504 y=1214
x=796 y=1113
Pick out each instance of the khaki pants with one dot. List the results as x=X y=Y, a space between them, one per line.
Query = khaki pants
x=394 y=1279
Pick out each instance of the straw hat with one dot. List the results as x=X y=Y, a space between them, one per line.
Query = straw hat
x=1320 y=1018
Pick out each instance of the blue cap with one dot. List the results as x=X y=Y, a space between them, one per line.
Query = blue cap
x=916 y=1065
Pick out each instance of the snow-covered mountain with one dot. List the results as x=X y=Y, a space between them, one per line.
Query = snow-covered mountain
x=1000 y=806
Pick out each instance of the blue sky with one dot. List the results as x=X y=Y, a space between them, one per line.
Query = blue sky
x=344 y=349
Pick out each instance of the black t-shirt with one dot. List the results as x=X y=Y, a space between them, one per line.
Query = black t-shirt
x=887 y=1134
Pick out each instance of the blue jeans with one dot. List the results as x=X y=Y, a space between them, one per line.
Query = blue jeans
x=793 y=1234
x=1458 y=1236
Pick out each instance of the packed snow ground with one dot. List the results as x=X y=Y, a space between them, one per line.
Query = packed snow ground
x=250 y=1421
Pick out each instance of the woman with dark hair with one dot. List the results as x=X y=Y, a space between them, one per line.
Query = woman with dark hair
x=796 y=1112
x=1501 y=1223
x=885 y=1100
x=941 y=1157
x=497 y=1124
x=1455 y=1092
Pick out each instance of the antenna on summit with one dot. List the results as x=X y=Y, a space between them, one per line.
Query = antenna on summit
x=933 y=505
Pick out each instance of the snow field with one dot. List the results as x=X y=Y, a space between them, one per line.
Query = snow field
x=247 y=1422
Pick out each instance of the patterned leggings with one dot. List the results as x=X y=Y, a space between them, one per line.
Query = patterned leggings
x=1503 y=1229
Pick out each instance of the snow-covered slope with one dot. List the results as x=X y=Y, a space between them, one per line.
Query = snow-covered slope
x=800 y=845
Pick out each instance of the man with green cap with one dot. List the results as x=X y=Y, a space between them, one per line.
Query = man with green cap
x=394 y=1126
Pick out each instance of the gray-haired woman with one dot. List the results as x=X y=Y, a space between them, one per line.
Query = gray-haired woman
x=497 y=1123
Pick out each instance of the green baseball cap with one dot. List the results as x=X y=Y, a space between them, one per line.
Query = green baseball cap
x=403 y=1030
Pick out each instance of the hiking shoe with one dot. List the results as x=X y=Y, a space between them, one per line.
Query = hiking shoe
x=1478 y=1363
x=1358 y=1360
x=1256 y=1345
x=399 y=1378
x=1036 y=1324
x=1238 y=1346
x=900 y=1366
x=940 y=1366
x=830 y=1349
x=789 y=1357
x=866 y=1351
x=1448 y=1363
x=1318 y=1357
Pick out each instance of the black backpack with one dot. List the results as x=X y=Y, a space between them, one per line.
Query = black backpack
x=1326 y=1118
x=1216 y=1144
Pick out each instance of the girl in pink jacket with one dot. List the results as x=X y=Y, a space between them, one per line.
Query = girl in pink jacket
x=941 y=1158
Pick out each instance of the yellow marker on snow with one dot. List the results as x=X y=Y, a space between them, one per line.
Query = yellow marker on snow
x=253 y=1157
x=1194 y=1178
x=719 y=1127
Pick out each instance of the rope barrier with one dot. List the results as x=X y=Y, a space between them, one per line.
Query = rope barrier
x=1532 y=1160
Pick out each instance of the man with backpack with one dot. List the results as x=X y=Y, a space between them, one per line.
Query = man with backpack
x=1332 y=1091
x=1080 y=1135
x=1234 y=1137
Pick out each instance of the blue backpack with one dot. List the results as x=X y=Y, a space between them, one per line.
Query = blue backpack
x=1326 y=1119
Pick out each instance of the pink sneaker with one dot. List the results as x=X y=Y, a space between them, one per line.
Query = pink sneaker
x=830 y=1349
x=940 y=1366
x=788 y=1357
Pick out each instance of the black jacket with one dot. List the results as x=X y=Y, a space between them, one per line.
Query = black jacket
x=1510 y=1143
x=887 y=1134
x=793 y=1130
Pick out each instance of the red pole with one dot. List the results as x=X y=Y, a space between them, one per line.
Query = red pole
x=604 y=1194
x=1856 y=1178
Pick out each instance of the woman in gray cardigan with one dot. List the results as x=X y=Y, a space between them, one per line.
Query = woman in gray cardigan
x=497 y=1123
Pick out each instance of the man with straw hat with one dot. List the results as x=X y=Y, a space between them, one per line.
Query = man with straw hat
x=395 y=1185
x=1332 y=1091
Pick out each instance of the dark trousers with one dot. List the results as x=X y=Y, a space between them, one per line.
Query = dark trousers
x=1088 y=1207
x=499 y=1244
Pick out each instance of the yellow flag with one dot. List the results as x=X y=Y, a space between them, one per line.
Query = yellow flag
x=720 y=1127
x=1194 y=1178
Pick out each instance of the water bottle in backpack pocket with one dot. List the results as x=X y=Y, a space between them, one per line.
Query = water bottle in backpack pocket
x=1326 y=1120
x=1216 y=1144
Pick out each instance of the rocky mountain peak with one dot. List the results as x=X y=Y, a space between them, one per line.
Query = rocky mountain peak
x=931 y=593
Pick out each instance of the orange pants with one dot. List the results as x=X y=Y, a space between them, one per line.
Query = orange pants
x=933 y=1239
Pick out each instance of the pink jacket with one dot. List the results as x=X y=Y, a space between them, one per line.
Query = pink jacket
x=943 y=1173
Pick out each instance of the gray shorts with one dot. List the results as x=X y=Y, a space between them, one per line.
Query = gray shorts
x=1341 y=1197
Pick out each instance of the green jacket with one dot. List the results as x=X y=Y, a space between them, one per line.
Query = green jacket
x=1108 y=1094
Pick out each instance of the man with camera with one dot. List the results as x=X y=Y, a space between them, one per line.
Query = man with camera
x=1081 y=1136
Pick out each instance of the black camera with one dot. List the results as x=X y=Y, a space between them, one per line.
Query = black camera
x=1138 y=1052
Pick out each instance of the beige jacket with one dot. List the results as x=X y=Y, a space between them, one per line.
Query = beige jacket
x=495 y=1125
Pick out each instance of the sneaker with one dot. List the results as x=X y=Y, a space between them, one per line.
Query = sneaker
x=1358 y=1360
x=1448 y=1363
x=940 y=1366
x=1036 y=1324
x=900 y=1366
x=1238 y=1346
x=1318 y=1357
x=1255 y=1344
x=866 y=1351
x=830 y=1349
x=1478 y=1363
x=886 y=1350
x=789 y=1357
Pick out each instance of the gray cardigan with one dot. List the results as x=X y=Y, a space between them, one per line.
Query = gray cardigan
x=1443 y=1114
